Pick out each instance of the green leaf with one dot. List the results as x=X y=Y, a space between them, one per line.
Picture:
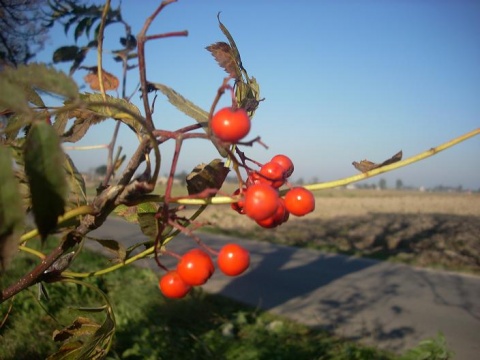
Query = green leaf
x=148 y=224
x=76 y=185
x=42 y=77
x=135 y=121
x=81 y=27
x=209 y=176
x=11 y=212
x=12 y=94
x=65 y=53
x=114 y=247
x=14 y=123
x=44 y=161
x=189 y=109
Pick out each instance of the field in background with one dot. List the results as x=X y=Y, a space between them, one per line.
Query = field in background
x=420 y=228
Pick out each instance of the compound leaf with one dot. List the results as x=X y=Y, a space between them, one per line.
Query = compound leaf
x=44 y=161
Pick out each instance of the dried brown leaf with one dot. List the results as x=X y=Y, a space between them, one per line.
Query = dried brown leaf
x=110 y=81
x=224 y=55
x=367 y=165
x=207 y=176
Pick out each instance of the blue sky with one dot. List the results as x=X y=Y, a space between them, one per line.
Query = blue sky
x=342 y=81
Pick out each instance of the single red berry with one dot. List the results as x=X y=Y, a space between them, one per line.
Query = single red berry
x=172 y=285
x=261 y=201
x=230 y=125
x=195 y=267
x=299 y=201
x=233 y=259
x=285 y=162
x=272 y=173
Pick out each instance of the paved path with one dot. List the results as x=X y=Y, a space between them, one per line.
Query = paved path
x=392 y=306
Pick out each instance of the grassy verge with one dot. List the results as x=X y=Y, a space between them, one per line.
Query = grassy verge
x=201 y=326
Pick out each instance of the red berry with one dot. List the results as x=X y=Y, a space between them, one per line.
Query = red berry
x=299 y=201
x=195 y=267
x=238 y=206
x=272 y=173
x=230 y=125
x=172 y=285
x=261 y=201
x=285 y=162
x=279 y=217
x=233 y=259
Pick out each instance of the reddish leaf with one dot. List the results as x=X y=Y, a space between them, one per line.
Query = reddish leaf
x=110 y=81
x=223 y=53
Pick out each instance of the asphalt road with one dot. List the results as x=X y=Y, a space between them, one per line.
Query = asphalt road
x=388 y=305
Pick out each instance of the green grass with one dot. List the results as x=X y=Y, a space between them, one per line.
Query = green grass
x=149 y=326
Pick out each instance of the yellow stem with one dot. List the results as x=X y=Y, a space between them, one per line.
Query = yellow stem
x=81 y=210
x=32 y=251
x=139 y=256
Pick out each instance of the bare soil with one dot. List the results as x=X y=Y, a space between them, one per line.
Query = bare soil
x=439 y=230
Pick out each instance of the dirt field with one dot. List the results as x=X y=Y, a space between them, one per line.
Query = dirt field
x=424 y=229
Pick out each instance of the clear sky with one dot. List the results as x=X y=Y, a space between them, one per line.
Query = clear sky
x=342 y=81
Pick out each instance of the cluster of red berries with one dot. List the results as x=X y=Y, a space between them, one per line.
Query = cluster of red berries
x=196 y=267
x=259 y=199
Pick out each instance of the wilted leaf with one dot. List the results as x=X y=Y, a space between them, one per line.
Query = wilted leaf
x=248 y=95
x=209 y=176
x=366 y=165
x=110 y=81
x=188 y=108
x=84 y=119
x=11 y=212
x=223 y=54
x=85 y=339
x=233 y=45
x=247 y=90
x=44 y=161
